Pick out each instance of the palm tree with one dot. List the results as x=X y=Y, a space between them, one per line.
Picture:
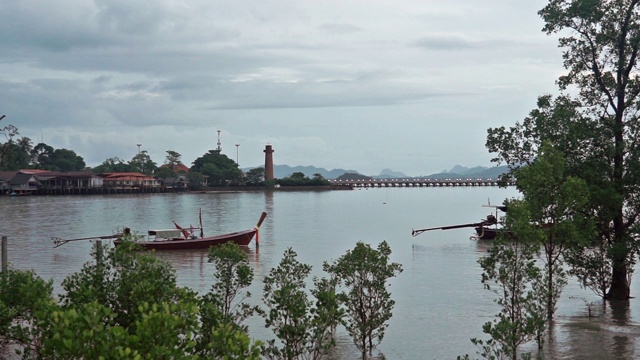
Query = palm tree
x=26 y=147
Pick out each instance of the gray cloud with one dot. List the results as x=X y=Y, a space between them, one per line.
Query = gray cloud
x=339 y=28
x=448 y=42
x=328 y=83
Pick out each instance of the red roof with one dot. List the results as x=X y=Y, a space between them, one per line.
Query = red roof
x=177 y=167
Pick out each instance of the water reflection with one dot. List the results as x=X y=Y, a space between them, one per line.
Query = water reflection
x=483 y=246
x=440 y=301
x=607 y=333
x=194 y=269
x=619 y=311
x=622 y=345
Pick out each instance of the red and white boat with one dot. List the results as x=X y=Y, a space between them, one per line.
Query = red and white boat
x=185 y=238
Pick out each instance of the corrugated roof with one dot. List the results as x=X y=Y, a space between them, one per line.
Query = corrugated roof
x=21 y=179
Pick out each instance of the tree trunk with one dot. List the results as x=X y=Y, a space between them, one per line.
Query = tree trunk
x=619 y=289
x=619 y=286
x=550 y=291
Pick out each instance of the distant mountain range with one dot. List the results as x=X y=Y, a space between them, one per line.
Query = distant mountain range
x=458 y=171
x=478 y=172
x=281 y=171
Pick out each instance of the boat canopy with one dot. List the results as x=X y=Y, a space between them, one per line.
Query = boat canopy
x=165 y=233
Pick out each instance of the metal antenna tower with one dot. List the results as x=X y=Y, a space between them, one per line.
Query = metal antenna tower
x=218 y=150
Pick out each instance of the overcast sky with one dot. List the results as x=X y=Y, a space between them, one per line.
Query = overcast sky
x=409 y=85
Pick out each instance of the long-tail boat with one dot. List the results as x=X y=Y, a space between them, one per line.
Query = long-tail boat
x=185 y=238
x=486 y=229
x=178 y=238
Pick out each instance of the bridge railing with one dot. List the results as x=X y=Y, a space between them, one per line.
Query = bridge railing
x=418 y=182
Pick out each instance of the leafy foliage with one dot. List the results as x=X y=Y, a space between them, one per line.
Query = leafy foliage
x=9 y=132
x=594 y=124
x=166 y=331
x=551 y=213
x=126 y=304
x=219 y=168
x=165 y=172
x=24 y=299
x=230 y=343
x=255 y=177
x=592 y=267
x=142 y=163
x=89 y=331
x=85 y=332
x=173 y=158
x=364 y=273
x=121 y=279
x=65 y=160
x=303 y=329
x=113 y=164
x=233 y=274
x=21 y=154
x=300 y=179
x=46 y=157
x=223 y=308
x=509 y=271
x=16 y=155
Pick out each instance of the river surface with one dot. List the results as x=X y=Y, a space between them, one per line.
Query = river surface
x=440 y=301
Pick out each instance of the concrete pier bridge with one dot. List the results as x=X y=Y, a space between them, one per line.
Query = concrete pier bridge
x=417 y=182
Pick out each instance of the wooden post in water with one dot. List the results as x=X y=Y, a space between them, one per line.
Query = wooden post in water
x=5 y=261
x=99 y=253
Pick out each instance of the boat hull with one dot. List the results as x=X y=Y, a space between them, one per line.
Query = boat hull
x=241 y=238
x=486 y=233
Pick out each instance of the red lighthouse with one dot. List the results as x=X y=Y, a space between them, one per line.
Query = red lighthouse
x=268 y=162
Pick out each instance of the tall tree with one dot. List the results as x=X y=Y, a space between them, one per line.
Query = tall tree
x=113 y=164
x=594 y=122
x=223 y=308
x=509 y=271
x=173 y=158
x=364 y=272
x=25 y=147
x=551 y=211
x=304 y=328
x=65 y=160
x=41 y=155
x=142 y=163
x=219 y=168
x=255 y=176
x=14 y=158
x=233 y=274
x=9 y=133
x=25 y=144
